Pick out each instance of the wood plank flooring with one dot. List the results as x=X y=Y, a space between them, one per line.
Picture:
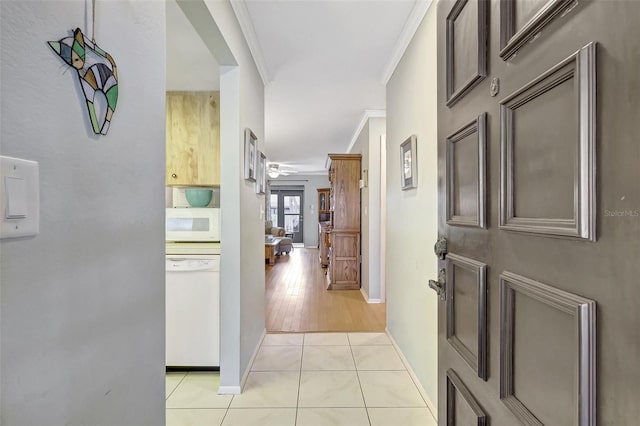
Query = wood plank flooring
x=297 y=299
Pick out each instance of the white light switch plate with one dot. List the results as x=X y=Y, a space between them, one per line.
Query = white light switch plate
x=19 y=198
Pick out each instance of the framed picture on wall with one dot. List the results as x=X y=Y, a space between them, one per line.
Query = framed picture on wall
x=250 y=151
x=409 y=163
x=261 y=173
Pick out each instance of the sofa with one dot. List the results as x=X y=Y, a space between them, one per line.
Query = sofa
x=285 y=245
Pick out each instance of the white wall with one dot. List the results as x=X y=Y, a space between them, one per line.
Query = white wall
x=311 y=183
x=412 y=214
x=242 y=256
x=82 y=303
x=368 y=145
x=361 y=146
x=377 y=128
x=190 y=64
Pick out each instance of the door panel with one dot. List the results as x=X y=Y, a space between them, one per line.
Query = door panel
x=462 y=407
x=466 y=174
x=548 y=168
x=539 y=128
x=522 y=20
x=466 y=34
x=562 y=233
x=467 y=311
x=547 y=352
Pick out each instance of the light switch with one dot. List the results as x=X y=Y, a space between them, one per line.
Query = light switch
x=16 y=198
x=19 y=198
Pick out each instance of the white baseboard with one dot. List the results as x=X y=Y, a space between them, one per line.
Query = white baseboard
x=364 y=294
x=366 y=297
x=229 y=390
x=237 y=390
x=253 y=357
x=430 y=405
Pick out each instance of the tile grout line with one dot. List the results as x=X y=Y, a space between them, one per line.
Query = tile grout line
x=411 y=374
x=226 y=413
x=304 y=335
x=364 y=401
x=174 y=389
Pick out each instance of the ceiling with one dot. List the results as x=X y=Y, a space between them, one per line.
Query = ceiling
x=325 y=64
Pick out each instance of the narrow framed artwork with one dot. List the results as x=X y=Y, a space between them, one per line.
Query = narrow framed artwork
x=261 y=173
x=409 y=163
x=250 y=143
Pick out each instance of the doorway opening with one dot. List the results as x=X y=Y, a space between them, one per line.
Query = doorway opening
x=286 y=211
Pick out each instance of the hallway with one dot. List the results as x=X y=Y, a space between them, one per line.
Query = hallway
x=297 y=300
x=319 y=379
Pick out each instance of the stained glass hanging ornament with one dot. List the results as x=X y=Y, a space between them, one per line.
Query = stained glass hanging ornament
x=96 y=72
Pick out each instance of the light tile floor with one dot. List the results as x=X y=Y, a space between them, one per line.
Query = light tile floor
x=313 y=379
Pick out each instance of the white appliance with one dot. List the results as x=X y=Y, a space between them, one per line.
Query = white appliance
x=193 y=310
x=193 y=288
x=193 y=224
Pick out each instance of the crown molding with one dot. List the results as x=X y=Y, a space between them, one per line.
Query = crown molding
x=414 y=19
x=368 y=113
x=246 y=25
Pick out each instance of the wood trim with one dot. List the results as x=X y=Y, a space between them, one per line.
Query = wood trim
x=582 y=66
x=345 y=156
x=455 y=94
x=455 y=384
x=478 y=362
x=479 y=126
x=510 y=39
x=584 y=312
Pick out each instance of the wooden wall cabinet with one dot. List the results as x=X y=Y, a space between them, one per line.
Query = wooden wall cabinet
x=193 y=138
x=344 y=251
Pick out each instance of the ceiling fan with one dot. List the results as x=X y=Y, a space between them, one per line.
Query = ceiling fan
x=274 y=170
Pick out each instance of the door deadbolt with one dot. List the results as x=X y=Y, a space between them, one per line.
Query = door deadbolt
x=440 y=248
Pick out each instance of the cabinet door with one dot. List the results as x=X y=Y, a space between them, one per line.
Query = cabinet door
x=344 y=265
x=193 y=138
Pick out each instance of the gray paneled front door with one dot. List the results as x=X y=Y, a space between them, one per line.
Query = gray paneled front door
x=539 y=189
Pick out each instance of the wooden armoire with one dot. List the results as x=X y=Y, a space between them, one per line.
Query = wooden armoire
x=344 y=252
